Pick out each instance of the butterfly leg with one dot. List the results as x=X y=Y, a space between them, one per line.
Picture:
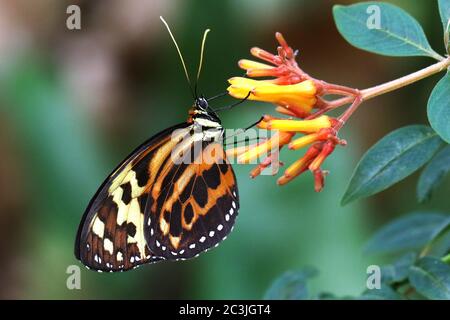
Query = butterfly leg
x=231 y=106
x=242 y=131
x=254 y=124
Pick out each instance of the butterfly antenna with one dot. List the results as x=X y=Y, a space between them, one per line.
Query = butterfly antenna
x=200 y=64
x=202 y=50
x=217 y=96
x=180 y=55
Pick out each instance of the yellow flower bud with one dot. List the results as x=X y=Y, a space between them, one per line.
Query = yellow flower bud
x=306 y=126
x=250 y=64
x=303 y=141
x=300 y=95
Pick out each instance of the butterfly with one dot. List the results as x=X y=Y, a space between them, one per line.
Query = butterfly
x=156 y=205
x=172 y=198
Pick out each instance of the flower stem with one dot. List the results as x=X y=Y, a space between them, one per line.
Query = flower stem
x=348 y=113
x=406 y=80
x=373 y=92
x=331 y=88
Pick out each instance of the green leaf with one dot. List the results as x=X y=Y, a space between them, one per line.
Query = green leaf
x=291 y=286
x=331 y=296
x=444 y=11
x=384 y=293
x=433 y=174
x=439 y=108
x=398 y=271
x=439 y=243
x=382 y=28
x=431 y=278
x=409 y=232
x=327 y=296
x=392 y=159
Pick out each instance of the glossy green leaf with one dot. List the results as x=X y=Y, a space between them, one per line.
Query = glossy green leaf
x=382 y=28
x=433 y=174
x=440 y=240
x=392 y=159
x=412 y=231
x=398 y=270
x=439 y=108
x=431 y=278
x=444 y=10
x=384 y=293
x=291 y=286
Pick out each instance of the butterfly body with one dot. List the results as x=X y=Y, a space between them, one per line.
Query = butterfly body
x=172 y=198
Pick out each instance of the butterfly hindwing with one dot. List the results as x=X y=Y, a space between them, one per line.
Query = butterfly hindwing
x=197 y=206
x=111 y=233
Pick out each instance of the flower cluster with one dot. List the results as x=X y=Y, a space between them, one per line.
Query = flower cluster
x=298 y=96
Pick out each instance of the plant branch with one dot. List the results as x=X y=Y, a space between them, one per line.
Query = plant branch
x=406 y=80
x=373 y=92
x=348 y=113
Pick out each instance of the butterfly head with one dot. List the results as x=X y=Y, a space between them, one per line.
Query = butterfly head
x=202 y=104
x=202 y=115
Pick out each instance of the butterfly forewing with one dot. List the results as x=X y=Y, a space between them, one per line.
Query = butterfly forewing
x=111 y=233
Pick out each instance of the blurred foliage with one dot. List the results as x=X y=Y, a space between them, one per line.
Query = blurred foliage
x=291 y=285
x=417 y=274
x=73 y=103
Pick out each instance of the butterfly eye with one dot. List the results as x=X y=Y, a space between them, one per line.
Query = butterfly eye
x=202 y=103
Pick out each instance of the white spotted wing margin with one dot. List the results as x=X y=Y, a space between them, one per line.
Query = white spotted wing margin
x=110 y=235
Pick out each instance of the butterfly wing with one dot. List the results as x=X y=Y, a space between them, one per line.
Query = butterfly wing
x=111 y=235
x=194 y=205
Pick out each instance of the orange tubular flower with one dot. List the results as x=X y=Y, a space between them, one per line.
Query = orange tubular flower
x=297 y=95
x=278 y=140
x=313 y=125
x=299 y=166
x=301 y=142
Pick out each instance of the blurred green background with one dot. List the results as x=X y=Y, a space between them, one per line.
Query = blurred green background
x=74 y=103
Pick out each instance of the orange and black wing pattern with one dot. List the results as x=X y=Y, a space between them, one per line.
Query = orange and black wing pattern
x=152 y=208
x=193 y=206
x=111 y=234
